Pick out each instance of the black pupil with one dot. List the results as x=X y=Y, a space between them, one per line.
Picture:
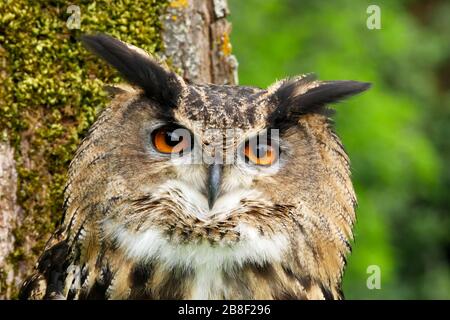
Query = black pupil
x=172 y=139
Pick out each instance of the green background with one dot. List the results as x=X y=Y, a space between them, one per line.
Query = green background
x=397 y=134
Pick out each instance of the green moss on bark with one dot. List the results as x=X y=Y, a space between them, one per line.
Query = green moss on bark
x=51 y=92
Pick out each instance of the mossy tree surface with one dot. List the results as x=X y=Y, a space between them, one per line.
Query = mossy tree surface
x=50 y=95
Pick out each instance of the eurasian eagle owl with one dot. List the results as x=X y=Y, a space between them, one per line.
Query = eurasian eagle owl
x=202 y=191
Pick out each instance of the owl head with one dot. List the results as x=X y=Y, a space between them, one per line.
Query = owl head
x=215 y=179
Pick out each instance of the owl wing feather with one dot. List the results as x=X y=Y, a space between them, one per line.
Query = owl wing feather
x=48 y=280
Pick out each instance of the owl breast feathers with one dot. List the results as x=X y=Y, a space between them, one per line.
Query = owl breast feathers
x=202 y=191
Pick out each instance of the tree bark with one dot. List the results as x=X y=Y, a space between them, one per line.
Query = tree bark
x=195 y=35
x=9 y=217
x=196 y=40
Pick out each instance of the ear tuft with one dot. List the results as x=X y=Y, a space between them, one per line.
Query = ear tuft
x=137 y=67
x=305 y=95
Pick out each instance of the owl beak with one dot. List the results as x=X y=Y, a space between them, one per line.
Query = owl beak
x=214 y=182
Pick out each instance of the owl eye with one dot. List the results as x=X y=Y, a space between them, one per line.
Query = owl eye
x=171 y=140
x=260 y=153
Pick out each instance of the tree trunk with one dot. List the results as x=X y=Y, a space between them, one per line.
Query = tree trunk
x=39 y=134
x=196 y=39
x=9 y=215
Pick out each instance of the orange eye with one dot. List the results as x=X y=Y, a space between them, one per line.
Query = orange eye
x=260 y=153
x=171 y=140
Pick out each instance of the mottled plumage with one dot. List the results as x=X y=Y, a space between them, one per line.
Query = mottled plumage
x=139 y=224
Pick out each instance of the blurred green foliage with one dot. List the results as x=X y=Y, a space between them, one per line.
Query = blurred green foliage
x=397 y=134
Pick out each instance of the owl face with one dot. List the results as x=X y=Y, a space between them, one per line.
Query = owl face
x=197 y=176
x=213 y=179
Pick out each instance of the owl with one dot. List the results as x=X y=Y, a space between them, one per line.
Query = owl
x=202 y=191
